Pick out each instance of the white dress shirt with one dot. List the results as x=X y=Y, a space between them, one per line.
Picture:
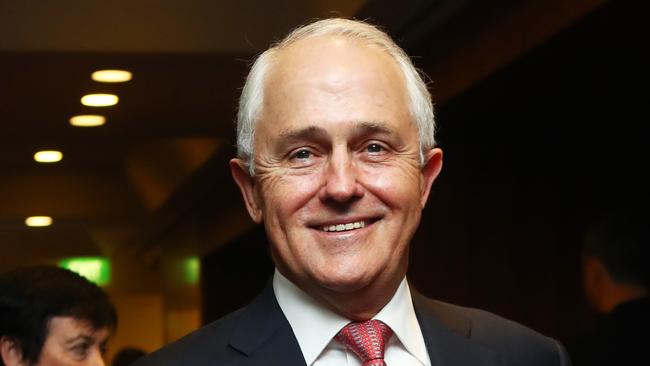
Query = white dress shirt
x=315 y=327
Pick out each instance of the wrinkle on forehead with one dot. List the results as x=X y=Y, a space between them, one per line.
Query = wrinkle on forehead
x=315 y=132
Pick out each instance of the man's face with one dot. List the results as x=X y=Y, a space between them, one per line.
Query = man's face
x=338 y=180
x=73 y=342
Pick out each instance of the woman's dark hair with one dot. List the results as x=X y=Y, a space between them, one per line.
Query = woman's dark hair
x=31 y=296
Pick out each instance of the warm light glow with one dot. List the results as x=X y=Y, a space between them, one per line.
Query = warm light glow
x=38 y=221
x=111 y=76
x=87 y=120
x=95 y=269
x=99 y=100
x=48 y=156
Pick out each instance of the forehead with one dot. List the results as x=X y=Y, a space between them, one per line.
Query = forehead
x=68 y=327
x=331 y=78
x=330 y=50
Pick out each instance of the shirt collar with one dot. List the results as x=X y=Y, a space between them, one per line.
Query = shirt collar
x=399 y=315
x=315 y=325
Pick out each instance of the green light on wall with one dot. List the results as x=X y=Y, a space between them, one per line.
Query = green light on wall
x=95 y=269
x=192 y=269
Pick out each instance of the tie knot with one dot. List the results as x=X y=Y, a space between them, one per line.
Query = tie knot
x=367 y=340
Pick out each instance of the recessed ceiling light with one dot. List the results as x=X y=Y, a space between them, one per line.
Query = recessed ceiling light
x=87 y=120
x=48 y=156
x=99 y=100
x=38 y=221
x=111 y=76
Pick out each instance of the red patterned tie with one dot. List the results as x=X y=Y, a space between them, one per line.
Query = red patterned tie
x=367 y=340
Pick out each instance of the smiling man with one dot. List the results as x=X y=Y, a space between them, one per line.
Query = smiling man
x=336 y=160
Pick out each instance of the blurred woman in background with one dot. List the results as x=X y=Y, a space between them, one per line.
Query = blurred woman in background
x=50 y=316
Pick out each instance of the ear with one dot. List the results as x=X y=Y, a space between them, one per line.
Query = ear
x=594 y=271
x=11 y=353
x=246 y=183
x=430 y=171
x=595 y=277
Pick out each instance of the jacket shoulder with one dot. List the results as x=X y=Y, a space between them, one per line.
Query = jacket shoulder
x=205 y=346
x=515 y=343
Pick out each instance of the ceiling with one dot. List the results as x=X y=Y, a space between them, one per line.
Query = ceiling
x=166 y=142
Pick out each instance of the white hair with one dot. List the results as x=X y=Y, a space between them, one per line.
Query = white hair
x=252 y=96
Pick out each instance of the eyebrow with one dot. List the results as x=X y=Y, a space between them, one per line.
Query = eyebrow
x=82 y=337
x=306 y=133
x=318 y=133
x=372 y=128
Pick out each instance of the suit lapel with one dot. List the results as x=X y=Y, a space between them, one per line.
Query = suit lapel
x=447 y=336
x=264 y=335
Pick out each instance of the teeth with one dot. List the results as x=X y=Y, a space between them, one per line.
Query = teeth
x=344 y=227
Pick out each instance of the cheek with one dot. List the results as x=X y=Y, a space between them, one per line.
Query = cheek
x=51 y=357
x=284 y=194
x=397 y=186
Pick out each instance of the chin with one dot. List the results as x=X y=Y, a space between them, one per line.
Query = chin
x=346 y=282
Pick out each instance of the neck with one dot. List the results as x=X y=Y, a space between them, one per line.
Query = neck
x=359 y=304
x=362 y=304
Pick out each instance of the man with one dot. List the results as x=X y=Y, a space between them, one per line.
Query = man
x=50 y=316
x=336 y=159
x=615 y=267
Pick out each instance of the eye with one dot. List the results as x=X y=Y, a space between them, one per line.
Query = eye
x=302 y=154
x=303 y=157
x=80 y=350
x=374 y=148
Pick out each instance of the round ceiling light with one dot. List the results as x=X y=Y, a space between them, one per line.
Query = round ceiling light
x=99 y=100
x=111 y=76
x=48 y=156
x=87 y=120
x=38 y=221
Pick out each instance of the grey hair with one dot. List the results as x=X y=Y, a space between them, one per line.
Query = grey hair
x=252 y=96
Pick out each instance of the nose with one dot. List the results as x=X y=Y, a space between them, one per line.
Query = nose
x=341 y=178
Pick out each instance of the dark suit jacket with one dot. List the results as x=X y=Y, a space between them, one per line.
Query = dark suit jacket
x=259 y=334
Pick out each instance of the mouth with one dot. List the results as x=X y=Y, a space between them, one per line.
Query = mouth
x=344 y=226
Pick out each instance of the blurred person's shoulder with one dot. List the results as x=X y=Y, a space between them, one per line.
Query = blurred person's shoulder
x=619 y=337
